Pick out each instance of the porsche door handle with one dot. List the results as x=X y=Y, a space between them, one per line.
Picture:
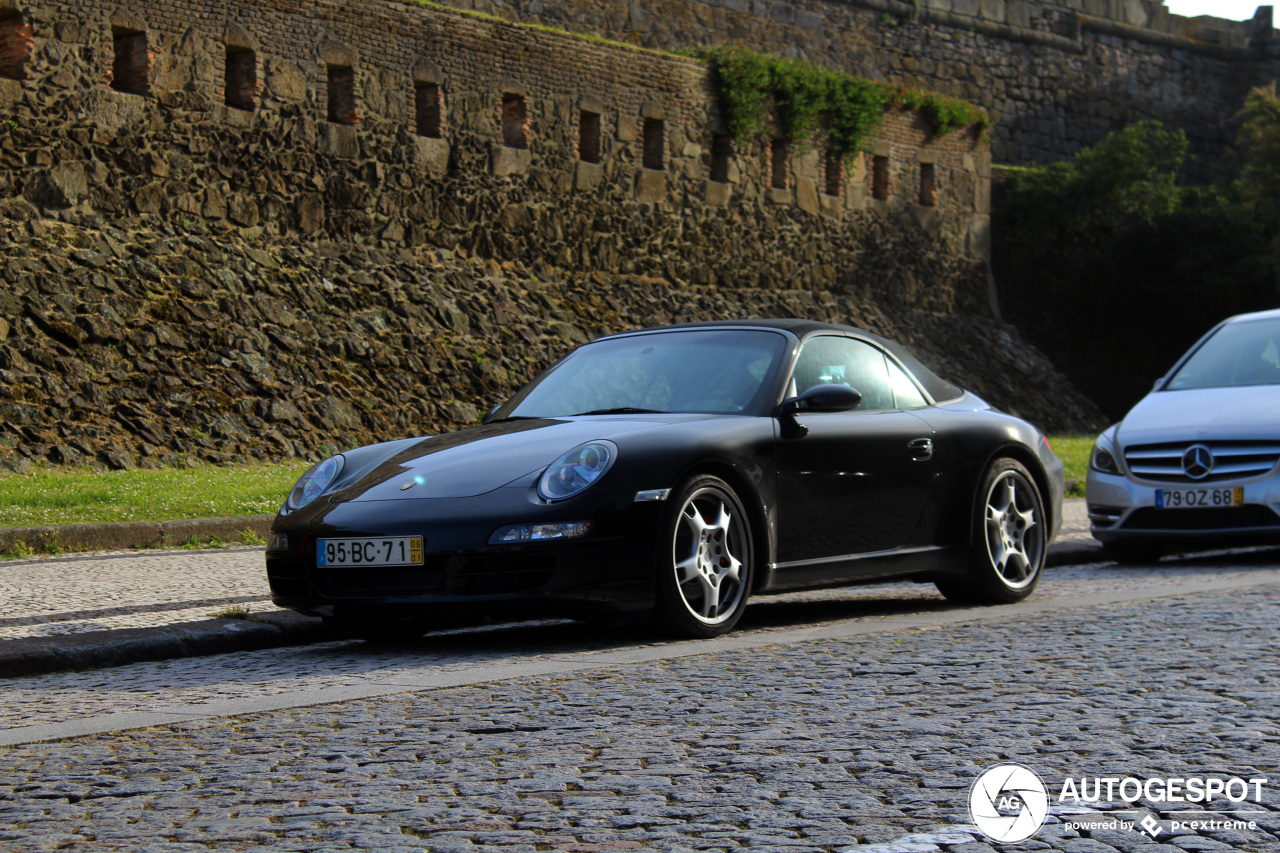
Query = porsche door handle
x=921 y=449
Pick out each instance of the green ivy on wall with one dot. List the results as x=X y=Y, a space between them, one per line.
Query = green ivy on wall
x=802 y=97
x=942 y=113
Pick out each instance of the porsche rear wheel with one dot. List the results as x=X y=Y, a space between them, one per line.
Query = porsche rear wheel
x=1009 y=541
x=705 y=560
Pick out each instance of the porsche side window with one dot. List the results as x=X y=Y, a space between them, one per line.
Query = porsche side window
x=832 y=360
x=905 y=392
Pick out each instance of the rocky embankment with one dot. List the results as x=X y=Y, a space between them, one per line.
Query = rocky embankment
x=173 y=346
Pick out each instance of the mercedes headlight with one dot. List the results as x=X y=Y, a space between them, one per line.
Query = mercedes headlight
x=313 y=483
x=1103 y=456
x=577 y=470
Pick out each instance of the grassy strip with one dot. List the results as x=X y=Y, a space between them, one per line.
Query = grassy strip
x=1074 y=451
x=88 y=496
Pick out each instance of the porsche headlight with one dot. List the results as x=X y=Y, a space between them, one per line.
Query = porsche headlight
x=577 y=470
x=313 y=483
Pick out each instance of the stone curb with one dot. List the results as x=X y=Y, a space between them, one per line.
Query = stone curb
x=1074 y=552
x=97 y=649
x=135 y=534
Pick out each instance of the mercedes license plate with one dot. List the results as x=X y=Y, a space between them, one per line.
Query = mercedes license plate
x=379 y=551
x=1199 y=498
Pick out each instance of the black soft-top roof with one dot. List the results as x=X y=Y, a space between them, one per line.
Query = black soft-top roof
x=796 y=326
x=940 y=389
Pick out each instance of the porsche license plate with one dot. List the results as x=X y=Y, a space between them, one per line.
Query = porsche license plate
x=1199 y=498
x=379 y=551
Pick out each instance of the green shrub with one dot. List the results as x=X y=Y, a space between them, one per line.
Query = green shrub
x=802 y=97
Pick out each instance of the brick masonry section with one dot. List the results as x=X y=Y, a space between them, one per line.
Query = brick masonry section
x=332 y=92
x=1053 y=75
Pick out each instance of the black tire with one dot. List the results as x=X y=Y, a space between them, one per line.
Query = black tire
x=1133 y=553
x=706 y=561
x=1009 y=539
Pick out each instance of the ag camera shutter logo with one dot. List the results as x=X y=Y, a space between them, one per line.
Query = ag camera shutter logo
x=1008 y=803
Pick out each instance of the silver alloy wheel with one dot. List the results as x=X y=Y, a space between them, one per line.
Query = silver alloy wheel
x=709 y=552
x=1015 y=536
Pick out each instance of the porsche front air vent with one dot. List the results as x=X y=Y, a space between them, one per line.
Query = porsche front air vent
x=1202 y=462
x=288 y=577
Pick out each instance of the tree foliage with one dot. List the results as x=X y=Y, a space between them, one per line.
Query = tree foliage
x=1114 y=268
x=1257 y=168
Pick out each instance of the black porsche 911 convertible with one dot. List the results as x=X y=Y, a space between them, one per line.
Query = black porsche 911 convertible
x=670 y=474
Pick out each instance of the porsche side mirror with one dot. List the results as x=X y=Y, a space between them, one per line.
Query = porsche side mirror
x=824 y=398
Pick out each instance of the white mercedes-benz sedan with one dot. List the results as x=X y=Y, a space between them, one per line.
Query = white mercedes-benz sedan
x=1194 y=464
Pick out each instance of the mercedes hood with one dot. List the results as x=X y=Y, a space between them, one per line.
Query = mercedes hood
x=1204 y=414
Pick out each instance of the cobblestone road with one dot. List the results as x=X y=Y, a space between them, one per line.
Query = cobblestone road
x=854 y=720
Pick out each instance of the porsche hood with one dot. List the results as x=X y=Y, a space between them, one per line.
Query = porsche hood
x=480 y=459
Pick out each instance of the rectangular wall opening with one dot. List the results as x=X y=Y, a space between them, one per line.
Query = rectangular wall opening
x=131 y=67
x=428 y=110
x=721 y=154
x=880 y=187
x=17 y=38
x=241 y=84
x=342 y=95
x=515 y=121
x=589 y=136
x=779 y=164
x=928 y=185
x=833 y=172
x=654 y=156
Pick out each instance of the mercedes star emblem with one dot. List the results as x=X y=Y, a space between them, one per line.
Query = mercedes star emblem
x=1197 y=461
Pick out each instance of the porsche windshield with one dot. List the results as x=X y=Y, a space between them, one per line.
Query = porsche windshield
x=1238 y=354
x=723 y=371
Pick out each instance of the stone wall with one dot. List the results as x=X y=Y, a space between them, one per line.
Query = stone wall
x=130 y=343
x=250 y=230
x=1054 y=75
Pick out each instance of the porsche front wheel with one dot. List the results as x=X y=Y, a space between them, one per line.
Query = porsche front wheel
x=705 y=560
